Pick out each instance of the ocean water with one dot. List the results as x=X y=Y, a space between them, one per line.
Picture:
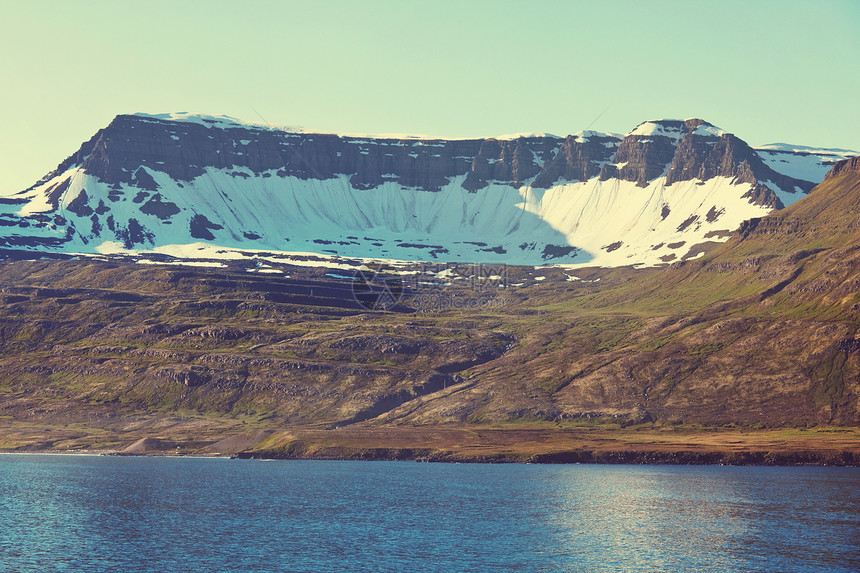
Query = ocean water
x=91 y=513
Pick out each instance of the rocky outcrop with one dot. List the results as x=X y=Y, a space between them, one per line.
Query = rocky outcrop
x=579 y=159
x=703 y=156
x=183 y=150
x=851 y=165
x=512 y=162
x=641 y=158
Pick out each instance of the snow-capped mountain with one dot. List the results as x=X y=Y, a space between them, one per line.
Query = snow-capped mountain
x=194 y=186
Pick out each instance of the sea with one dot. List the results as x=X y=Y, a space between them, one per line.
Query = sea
x=148 y=514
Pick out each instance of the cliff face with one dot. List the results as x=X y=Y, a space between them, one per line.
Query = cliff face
x=579 y=159
x=152 y=181
x=845 y=167
x=183 y=150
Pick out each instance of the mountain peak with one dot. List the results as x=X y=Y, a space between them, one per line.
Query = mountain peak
x=676 y=128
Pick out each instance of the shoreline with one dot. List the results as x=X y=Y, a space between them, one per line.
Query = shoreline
x=621 y=457
x=616 y=457
x=485 y=444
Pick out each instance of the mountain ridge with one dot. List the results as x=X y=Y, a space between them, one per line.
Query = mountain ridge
x=666 y=191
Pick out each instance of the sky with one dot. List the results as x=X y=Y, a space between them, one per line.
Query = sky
x=767 y=71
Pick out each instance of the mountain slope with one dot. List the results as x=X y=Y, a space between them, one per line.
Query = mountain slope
x=665 y=191
x=762 y=331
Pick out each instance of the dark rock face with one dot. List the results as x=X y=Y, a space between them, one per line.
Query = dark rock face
x=706 y=157
x=79 y=205
x=645 y=158
x=161 y=209
x=511 y=162
x=642 y=158
x=134 y=234
x=699 y=157
x=764 y=195
x=201 y=227
x=578 y=159
x=183 y=150
x=847 y=166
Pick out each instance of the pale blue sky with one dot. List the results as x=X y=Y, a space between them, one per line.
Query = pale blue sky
x=765 y=70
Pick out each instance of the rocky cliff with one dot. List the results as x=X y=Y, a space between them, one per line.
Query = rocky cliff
x=161 y=182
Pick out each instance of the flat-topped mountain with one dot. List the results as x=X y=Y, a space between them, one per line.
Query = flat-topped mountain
x=762 y=331
x=666 y=191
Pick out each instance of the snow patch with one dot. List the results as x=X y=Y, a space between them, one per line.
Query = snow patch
x=655 y=127
x=791 y=148
x=114 y=248
x=510 y=136
x=806 y=163
x=211 y=264
x=584 y=135
x=708 y=130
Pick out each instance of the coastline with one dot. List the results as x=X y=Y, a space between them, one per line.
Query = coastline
x=754 y=458
x=527 y=444
x=759 y=458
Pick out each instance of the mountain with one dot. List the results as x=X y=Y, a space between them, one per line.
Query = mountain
x=196 y=186
x=762 y=331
